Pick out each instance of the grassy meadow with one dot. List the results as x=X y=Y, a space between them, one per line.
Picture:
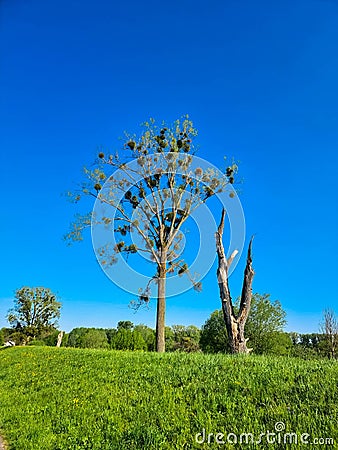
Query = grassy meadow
x=69 y=399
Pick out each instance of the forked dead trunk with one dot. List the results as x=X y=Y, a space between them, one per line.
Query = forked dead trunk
x=235 y=323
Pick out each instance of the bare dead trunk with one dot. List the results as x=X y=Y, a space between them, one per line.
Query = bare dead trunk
x=234 y=323
x=59 y=341
x=160 y=318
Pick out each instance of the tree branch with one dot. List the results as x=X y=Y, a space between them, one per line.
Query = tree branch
x=247 y=286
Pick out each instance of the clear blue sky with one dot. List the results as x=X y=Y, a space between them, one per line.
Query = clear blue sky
x=259 y=80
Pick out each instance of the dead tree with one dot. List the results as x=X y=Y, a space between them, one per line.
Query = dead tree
x=59 y=341
x=235 y=323
x=330 y=329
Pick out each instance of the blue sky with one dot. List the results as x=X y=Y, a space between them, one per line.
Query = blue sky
x=259 y=80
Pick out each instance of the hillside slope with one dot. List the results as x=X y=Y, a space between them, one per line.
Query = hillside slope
x=58 y=399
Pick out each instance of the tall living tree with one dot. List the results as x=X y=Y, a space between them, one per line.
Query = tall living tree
x=152 y=187
x=35 y=311
x=235 y=322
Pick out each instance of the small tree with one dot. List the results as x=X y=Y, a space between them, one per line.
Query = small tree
x=75 y=337
x=94 y=338
x=265 y=323
x=214 y=336
x=186 y=338
x=125 y=339
x=139 y=342
x=35 y=312
x=153 y=196
x=330 y=329
x=148 y=335
x=235 y=323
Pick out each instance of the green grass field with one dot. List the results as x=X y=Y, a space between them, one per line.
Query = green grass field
x=90 y=399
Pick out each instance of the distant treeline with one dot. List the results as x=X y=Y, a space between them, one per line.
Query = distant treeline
x=128 y=336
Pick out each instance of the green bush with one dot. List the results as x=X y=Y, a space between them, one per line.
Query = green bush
x=125 y=339
x=94 y=339
x=37 y=342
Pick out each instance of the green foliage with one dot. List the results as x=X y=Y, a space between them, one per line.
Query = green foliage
x=186 y=338
x=169 y=339
x=51 y=338
x=17 y=336
x=128 y=336
x=126 y=339
x=72 y=399
x=94 y=339
x=2 y=339
x=265 y=319
x=138 y=341
x=214 y=337
x=37 y=343
x=110 y=332
x=148 y=335
x=308 y=346
x=263 y=328
x=125 y=325
x=64 y=342
x=75 y=337
x=182 y=338
x=88 y=338
x=7 y=333
x=48 y=337
x=35 y=312
x=276 y=343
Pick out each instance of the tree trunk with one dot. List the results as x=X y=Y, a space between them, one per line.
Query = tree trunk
x=234 y=323
x=160 y=319
x=59 y=340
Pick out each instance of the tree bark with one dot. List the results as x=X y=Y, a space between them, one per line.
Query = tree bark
x=59 y=340
x=160 y=318
x=234 y=323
